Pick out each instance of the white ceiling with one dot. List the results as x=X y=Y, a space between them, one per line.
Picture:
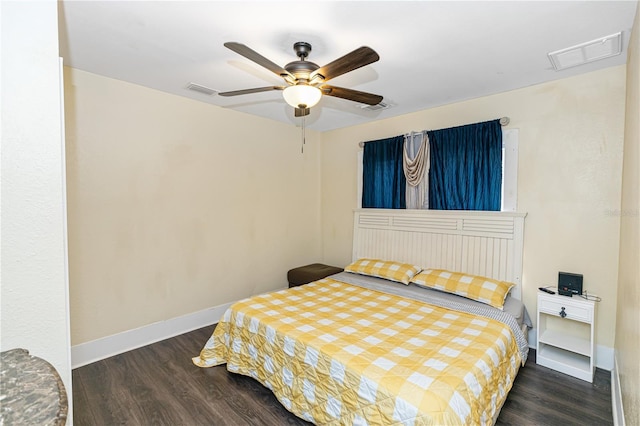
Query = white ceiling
x=431 y=52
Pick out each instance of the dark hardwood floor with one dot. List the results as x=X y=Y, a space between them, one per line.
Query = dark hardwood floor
x=158 y=385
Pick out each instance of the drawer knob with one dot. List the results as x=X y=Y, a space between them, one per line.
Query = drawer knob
x=562 y=312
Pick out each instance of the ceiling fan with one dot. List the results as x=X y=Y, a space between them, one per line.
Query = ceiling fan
x=306 y=80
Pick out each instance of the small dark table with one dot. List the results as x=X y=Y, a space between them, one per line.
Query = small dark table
x=309 y=273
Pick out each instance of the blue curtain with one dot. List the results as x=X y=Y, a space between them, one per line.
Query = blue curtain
x=383 y=181
x=466 y=167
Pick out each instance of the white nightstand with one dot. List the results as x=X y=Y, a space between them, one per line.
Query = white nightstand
x=565 y=334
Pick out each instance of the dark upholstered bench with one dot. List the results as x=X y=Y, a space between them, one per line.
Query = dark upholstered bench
x=309 y=273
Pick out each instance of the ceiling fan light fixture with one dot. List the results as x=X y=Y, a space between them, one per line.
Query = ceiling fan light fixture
x=305 y=80
x=302 y=95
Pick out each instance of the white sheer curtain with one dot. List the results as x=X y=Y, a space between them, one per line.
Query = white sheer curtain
x=416 y=169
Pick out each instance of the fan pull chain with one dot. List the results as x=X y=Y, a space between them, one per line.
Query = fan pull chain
x=304 y=136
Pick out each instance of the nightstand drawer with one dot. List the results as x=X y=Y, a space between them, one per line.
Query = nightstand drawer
x=574 y=311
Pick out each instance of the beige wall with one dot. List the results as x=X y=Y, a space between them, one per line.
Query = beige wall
x=569 y=179
x=627 y=343
x=177 y=205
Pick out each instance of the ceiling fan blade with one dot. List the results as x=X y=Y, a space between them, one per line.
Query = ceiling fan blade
x=248 y=91
x=301 y=112
x=352 y=95
x=351 y=61
x=254 y=56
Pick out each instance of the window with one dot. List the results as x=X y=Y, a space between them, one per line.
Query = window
x=509 y=171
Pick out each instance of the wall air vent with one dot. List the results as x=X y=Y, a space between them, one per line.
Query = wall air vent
x=376 y=107
x=601 y=48
x=201 y=89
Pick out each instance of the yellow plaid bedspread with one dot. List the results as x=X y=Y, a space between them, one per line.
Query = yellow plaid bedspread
x=334 y=353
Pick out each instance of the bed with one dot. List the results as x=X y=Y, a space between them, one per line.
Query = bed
x=368 y=348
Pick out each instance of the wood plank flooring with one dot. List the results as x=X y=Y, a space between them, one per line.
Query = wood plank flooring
x=158 y=385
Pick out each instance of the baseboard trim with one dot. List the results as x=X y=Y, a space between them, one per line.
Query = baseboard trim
x=99 y=349
x=616 y=396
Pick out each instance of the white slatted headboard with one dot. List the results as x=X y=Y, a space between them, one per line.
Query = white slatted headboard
x=489 y=244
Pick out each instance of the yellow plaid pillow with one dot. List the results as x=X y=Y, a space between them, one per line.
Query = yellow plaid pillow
x=482 y=289
x=390 y=270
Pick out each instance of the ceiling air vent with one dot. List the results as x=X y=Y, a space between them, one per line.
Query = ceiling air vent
x=376 y=107
x=601 y=48
x=201 y=89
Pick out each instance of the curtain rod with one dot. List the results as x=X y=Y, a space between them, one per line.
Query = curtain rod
x=504 y=121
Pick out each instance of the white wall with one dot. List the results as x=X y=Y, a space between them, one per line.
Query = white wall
x=34 y=283
x=569 y=178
